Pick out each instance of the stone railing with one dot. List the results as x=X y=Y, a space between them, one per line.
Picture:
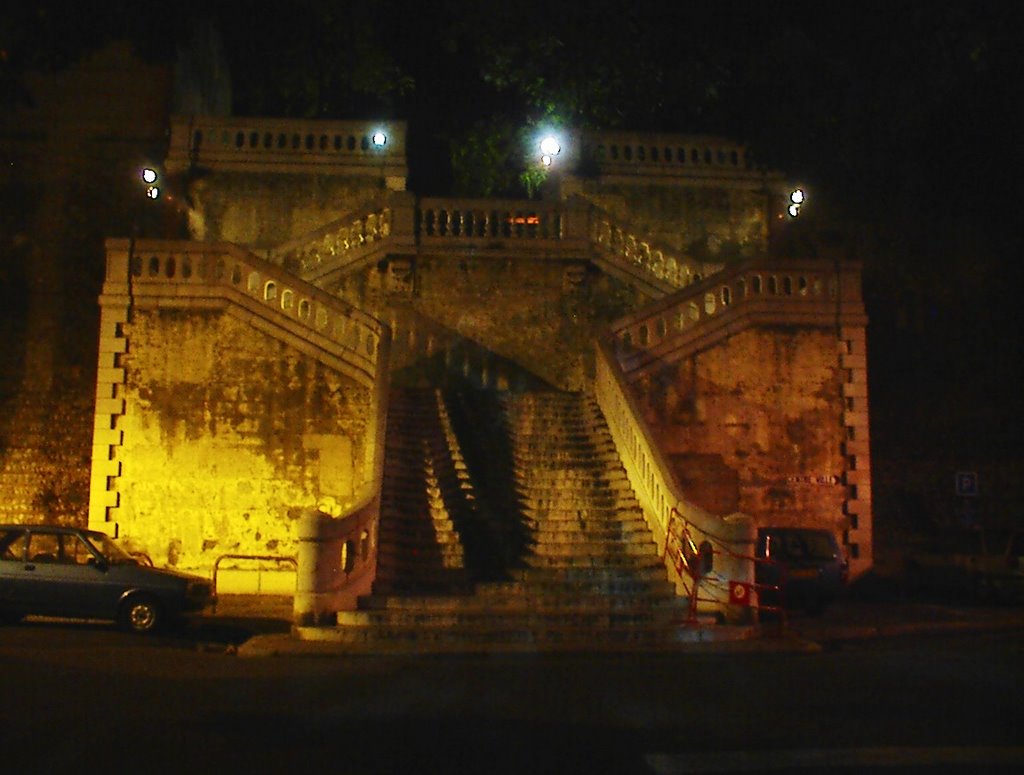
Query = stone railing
x=799 y=292
x=400 y=225
x=660 y=495
x=496 y=224
x=287 y=145
x=664 y=270
x=343 y=245
x=189 y=274
x=693 y=153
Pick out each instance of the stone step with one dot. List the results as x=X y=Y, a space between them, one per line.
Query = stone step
x=608 y=574
x=585 y=515
x=449 y=584
x=553 y=441
x=548 y=504
x=525 y=459
x=517 y=618
x=505 y=639
x=582 y=489
x=592 y=547
x=583 y=469
x=404 y=540
x=657 y=586
x=570 y=561
x=494 y=601
x=569 y=532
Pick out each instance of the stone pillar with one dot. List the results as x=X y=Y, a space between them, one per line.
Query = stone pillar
x=110 y=381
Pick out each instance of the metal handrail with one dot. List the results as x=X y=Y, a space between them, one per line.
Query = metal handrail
x=279 y=558
x=688 y=558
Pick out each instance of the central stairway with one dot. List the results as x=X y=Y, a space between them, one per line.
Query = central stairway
x=507 y=524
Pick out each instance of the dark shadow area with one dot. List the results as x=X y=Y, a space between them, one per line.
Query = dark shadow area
x=200 y=633
x=469 y=744
x=479 y=420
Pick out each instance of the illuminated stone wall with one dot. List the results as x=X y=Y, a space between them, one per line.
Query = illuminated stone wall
x=227 y=435
x=540 y=314
x=712 y=222
x=69 y=162
x=755 y=424
x=263 y=210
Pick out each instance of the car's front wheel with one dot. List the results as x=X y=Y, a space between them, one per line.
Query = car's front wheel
x=141 y=613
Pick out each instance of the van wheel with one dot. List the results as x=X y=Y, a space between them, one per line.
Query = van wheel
x=141 y=613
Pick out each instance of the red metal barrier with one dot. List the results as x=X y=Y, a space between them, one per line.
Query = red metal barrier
x=696 y=561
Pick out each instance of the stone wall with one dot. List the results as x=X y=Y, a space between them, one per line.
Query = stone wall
x=262 y=210
x=712 y=222
x=69 y=165
x=542 y=315
x=755 y=424
x=227 y=435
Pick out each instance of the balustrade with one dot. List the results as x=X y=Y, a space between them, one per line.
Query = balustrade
x=618 y=242
x=782 y=287
x=491 y=219
x=230 y=142
x=163 y=266
x=666 y=153
x=341 y=243
x=658 y=492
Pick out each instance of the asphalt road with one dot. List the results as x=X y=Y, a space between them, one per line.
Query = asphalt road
x=76 y=694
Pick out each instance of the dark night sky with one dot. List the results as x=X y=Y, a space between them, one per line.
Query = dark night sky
x=901 y=117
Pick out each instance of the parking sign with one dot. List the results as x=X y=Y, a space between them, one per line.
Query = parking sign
x=967 y=484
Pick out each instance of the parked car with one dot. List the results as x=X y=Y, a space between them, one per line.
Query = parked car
x=984 y=562
x=66 y=572
x=801 y=568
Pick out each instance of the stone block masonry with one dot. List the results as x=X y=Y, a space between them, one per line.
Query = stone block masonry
x=220 y=435
x=759 y=415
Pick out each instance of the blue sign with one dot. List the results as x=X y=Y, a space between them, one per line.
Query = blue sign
x=967 y=484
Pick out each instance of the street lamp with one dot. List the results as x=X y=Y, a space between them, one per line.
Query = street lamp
x=796 y=199
x=150 y=176
x=550 y=147
x=379 y=139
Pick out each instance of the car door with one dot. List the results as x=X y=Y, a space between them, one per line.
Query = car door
x=13 y=543
x=61 y=576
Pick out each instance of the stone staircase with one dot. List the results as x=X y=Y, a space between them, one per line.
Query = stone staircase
x=509 y=524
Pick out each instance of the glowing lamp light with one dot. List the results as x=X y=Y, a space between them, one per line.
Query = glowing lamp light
x=149 y=175
x=153 y=192
x=546 y=160
x=379 y=139
x=550 y=147
x=796 y=198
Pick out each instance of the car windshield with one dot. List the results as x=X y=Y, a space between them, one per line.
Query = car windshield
x=819 y=546
x=113 y=553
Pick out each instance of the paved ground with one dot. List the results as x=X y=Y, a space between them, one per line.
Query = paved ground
x=872 y=609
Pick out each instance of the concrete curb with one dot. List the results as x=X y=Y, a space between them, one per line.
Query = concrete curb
x=285 y=645
x=865 y=631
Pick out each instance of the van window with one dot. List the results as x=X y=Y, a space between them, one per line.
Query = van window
x=819 y=545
